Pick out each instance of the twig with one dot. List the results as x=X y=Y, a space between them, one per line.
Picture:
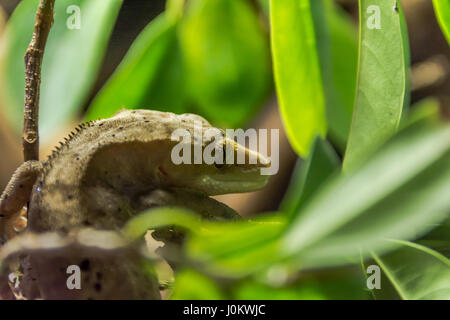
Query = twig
x=33 y=66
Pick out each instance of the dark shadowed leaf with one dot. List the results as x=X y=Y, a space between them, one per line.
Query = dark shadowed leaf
x=309 y=175
x=416 y=272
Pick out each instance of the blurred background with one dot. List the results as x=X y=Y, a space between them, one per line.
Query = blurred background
x=230 y=80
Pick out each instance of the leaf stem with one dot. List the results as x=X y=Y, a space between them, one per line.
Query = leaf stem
x=33 y=66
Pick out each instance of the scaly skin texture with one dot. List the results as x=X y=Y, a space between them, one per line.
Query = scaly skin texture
x=102 y=175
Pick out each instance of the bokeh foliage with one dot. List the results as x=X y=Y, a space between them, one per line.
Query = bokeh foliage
x=213 y=57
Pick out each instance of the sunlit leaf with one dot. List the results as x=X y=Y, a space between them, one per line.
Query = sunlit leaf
x=399 y=193
x=149 y=77
x=227 y=60
x=158 y=218
x=191 y=285
x=442 y=9
x=71 y=62
x=340 y=72
x=417 y=272
x=297 y=71
x=382 y=89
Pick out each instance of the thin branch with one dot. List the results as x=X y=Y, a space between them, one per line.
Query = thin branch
x=33 y=66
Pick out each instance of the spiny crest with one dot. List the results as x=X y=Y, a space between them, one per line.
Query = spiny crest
x=67 y=140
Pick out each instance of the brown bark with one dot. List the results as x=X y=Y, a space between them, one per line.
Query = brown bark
x=33 y=66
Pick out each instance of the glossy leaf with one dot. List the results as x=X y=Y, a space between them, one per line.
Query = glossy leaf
x=149 y=77
x=297 y=72
x=382 y=89
x=71 y=62
x=442 y=9
x=309 y=176
x=399 y=193
x=227 y=60
x=417 y=272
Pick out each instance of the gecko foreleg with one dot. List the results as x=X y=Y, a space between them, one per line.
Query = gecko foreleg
x=17 y=194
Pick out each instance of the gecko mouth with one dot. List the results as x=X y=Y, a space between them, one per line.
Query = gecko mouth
x=236 y=183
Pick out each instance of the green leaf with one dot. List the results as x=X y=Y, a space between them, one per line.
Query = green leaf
x=265 y=6
x=442 y=9
x=138 y=225
x=309 y=176
x=438 y=239
x=339 y=73
x=329 y=284
x=399 y=193
x=237 y=248
x=382 y=87
x=258 y=291
x=227 y=59
x=71 y=62
x=425 y=110
x=175 y=9
x=417 y=272
x=297 y=72
x=227 y=248
x=191 y=285
x=150 y=76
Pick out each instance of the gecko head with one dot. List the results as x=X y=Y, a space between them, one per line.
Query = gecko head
x=223 y=176
x=214 y=163
x=187 y=152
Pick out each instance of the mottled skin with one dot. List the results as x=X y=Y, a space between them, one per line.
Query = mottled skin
x=102 y=175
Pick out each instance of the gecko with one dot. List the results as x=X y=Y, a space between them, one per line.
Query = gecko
x=105 y=172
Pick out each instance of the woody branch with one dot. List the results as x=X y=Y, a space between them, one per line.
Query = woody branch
x=33 y=66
